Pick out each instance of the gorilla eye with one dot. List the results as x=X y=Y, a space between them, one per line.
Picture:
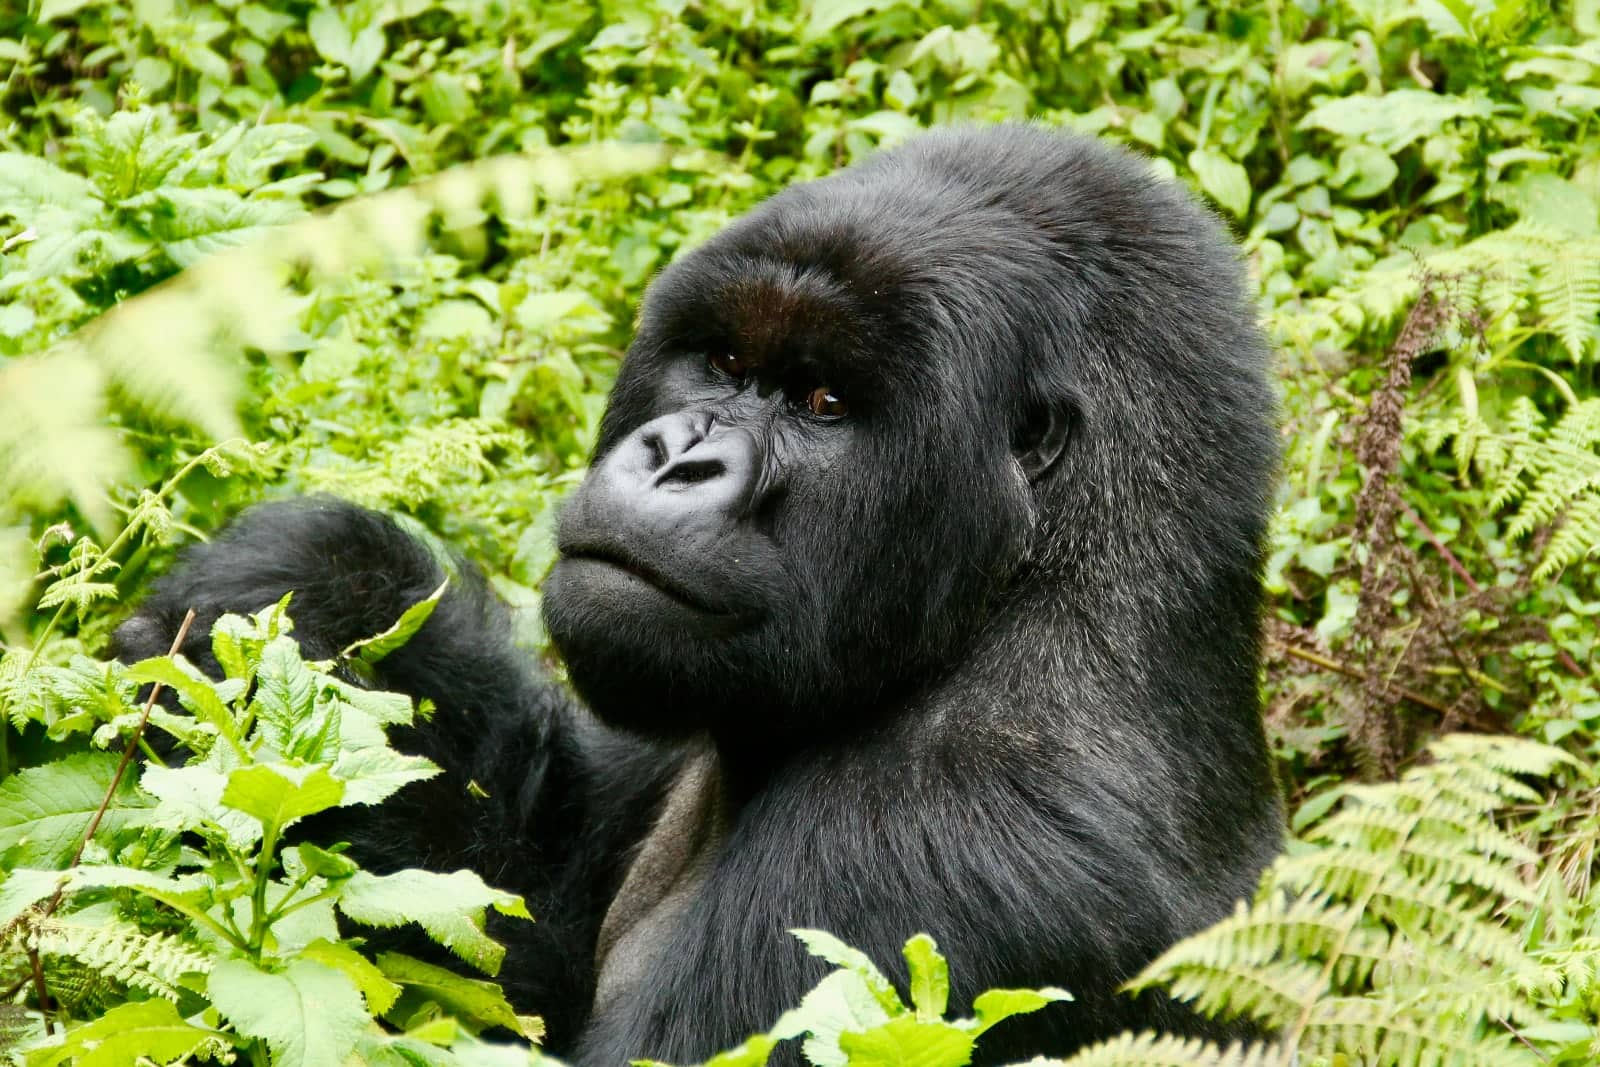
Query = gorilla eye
x=824 y=401
x=729 y=364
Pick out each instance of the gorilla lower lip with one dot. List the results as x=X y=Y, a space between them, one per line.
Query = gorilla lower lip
x=646 y=574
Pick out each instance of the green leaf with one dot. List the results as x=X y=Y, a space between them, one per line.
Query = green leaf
x=195 y=223
x=930 y=978
x=1223 y=180
x=908 y=1042
x=321 y=862
x=309 y=1014
x=825 y=15
x=50 y=10
x=191 y=799
x=373 y=650
x=825 y=946
x=1394 y=120
x=1364 y=171
x=140 y=1032
x=372 y=775
x=469 y=999
x=997 y=1005
x=290 y=717
x=450 y=907
x=25 y=886
x=194 y=690
x=840 y=1003
x=45 y=810
x=379 y=992
x=277 y=800
x=330 y=36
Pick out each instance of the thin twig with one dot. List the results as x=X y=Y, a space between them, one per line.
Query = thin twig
x=1563 y=657
x=1438 y=545
x=1350 y=672
x=133 y=746
x=39 y=991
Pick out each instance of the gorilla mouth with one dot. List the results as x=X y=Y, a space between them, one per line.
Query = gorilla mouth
x=647 y=574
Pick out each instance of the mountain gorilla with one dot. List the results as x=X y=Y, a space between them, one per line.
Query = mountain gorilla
x=914 y=587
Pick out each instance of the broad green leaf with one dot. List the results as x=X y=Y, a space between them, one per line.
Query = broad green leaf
x=309 y=1014
x=45 y=810
x=141 y=1032
x=1223 y=180
x=824 y=15
x=930 y=978
x=194 y=690
x=1394 y=120
x=330 y=36
x=25 y=887
x=380 y=993
x=374 y=649
x=190 y=798
x=827 y=947
x=997 y=1005
x=277 y=800
x=450 y=907
x=1364 y=171
x=29 y=184
x=372 y=775
x=285 y=688
x=908 y=1042
x=840 y=1003
x=469 y=999
x=199 y=223
x=321 y=862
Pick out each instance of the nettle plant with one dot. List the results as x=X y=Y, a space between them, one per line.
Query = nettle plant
x=190 y=904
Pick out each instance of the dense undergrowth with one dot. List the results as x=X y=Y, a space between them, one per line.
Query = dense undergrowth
x=373 y=303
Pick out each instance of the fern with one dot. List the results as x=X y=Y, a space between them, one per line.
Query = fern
x=1550 y=473
x=1559 y=271
x=1381 y=943
x=117 y=951
x=1162 y=1050
x=415 y=468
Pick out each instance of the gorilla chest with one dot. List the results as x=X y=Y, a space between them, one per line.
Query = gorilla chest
x=672 y=866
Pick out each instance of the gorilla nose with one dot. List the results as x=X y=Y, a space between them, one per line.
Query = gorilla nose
x=688 y=461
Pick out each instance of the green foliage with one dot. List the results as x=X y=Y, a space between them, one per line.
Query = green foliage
x=391 y=251
x=191 y=893
x=1398 y=934
x=855 y=1016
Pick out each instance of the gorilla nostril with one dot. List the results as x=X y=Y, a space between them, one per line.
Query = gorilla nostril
x=657 y=446
x=686 y=472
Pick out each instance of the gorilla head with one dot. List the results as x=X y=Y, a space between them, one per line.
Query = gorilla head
x=992 y=372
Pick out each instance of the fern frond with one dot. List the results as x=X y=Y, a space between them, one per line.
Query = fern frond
x=1559 y=272
x=1551 y=473
x=1375 y=1030
x=1382 y=943
x=118 y=951
x=416 y=468
x=1164 y=1050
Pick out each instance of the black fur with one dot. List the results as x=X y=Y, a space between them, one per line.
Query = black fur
x=977 y=658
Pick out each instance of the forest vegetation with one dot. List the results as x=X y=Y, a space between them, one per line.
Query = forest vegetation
x=391 y=250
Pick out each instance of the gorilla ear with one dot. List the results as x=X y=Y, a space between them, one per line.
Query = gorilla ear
x=1042 y=439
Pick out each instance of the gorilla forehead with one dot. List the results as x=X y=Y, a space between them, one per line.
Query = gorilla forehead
x=967 y=261
x=864 y=280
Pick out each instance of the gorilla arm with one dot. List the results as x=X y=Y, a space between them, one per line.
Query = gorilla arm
x=536 y=796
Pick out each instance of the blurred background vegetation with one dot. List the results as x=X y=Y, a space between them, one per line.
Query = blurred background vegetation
x=285 y=225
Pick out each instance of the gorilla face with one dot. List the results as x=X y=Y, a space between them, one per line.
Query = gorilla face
x=888 y=410
x=806 y=489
